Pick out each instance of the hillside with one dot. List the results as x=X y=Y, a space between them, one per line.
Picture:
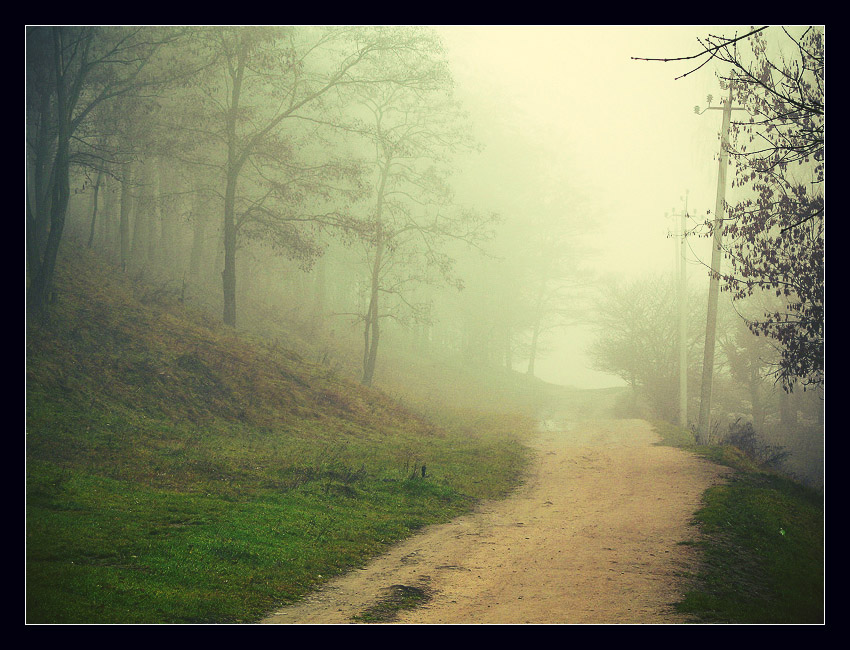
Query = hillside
x=179 y=471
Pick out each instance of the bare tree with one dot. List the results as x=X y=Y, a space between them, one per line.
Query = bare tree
x=414 y=126
x=264 y=86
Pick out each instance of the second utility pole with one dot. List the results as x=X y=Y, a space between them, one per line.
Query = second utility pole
x=704 y=424
x=682 y=292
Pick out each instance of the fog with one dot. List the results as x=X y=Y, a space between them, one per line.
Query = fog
x=504 y=196
x=617 y=140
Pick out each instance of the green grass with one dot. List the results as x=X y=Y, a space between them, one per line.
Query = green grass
x=135 y=527
x=762 y=544
x=102 y=550
x=178 y=472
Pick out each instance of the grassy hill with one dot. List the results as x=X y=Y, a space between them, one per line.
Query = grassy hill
x=179 y=471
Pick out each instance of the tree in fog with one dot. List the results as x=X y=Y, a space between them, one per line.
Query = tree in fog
x=135 y=135
x=775 y=234
x=72 y=74
x=553 y=280
x=535 y=281
x=748 y=358
x=269 y=92
x=250 y=88
x=637 y=330
x=413 y=126
x=753 y=361
x=492 y=314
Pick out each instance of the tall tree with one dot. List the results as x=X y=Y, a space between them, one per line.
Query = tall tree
x=264 y=86
x=414 y=126
x=776 y=233
x=72 y=72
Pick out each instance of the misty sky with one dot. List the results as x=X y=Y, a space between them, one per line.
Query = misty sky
x=616 y=139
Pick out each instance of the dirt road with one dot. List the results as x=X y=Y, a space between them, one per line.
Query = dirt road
x=591 y=537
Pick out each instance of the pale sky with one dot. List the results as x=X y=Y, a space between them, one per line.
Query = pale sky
x=620 y=133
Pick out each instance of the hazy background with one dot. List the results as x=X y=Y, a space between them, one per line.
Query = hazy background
x=618 y=140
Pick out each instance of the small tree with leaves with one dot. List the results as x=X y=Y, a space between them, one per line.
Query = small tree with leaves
x=636 y=324
x=775 y=233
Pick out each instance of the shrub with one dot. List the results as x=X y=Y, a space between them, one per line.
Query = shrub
x=743 y=436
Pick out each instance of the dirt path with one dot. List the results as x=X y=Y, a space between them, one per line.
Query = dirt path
x=591 y=537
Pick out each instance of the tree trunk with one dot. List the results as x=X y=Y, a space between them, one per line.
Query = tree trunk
x=94 y=208
x=372 y=329
x=41 y=178
x=532 y=355
x=319 y=296
x=170 y=249
x=41 y=283
x=199 y=225
x=538 y=315
x=38 y=199
x=233 y=168
x=125 y=216
x=142 y=228
x=228 y=275
x=107 y=235
x=154 y=223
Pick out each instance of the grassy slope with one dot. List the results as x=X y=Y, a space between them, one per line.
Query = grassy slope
x=762 y=544
x=180 y=472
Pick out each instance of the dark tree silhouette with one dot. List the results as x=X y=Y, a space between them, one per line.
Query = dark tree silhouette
x=73 y=73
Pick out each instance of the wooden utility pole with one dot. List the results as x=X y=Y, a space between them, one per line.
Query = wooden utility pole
x=682 y=278
x=704 y=424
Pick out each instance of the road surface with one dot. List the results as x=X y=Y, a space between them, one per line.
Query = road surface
x=593 y=536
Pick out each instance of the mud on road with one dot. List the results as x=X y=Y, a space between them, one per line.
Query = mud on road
x=593 y=536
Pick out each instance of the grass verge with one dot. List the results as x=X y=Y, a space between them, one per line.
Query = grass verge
x=182 y=472
x=762 y=544
x=154 y=521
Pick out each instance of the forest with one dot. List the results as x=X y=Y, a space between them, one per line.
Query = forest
x=369 y=196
